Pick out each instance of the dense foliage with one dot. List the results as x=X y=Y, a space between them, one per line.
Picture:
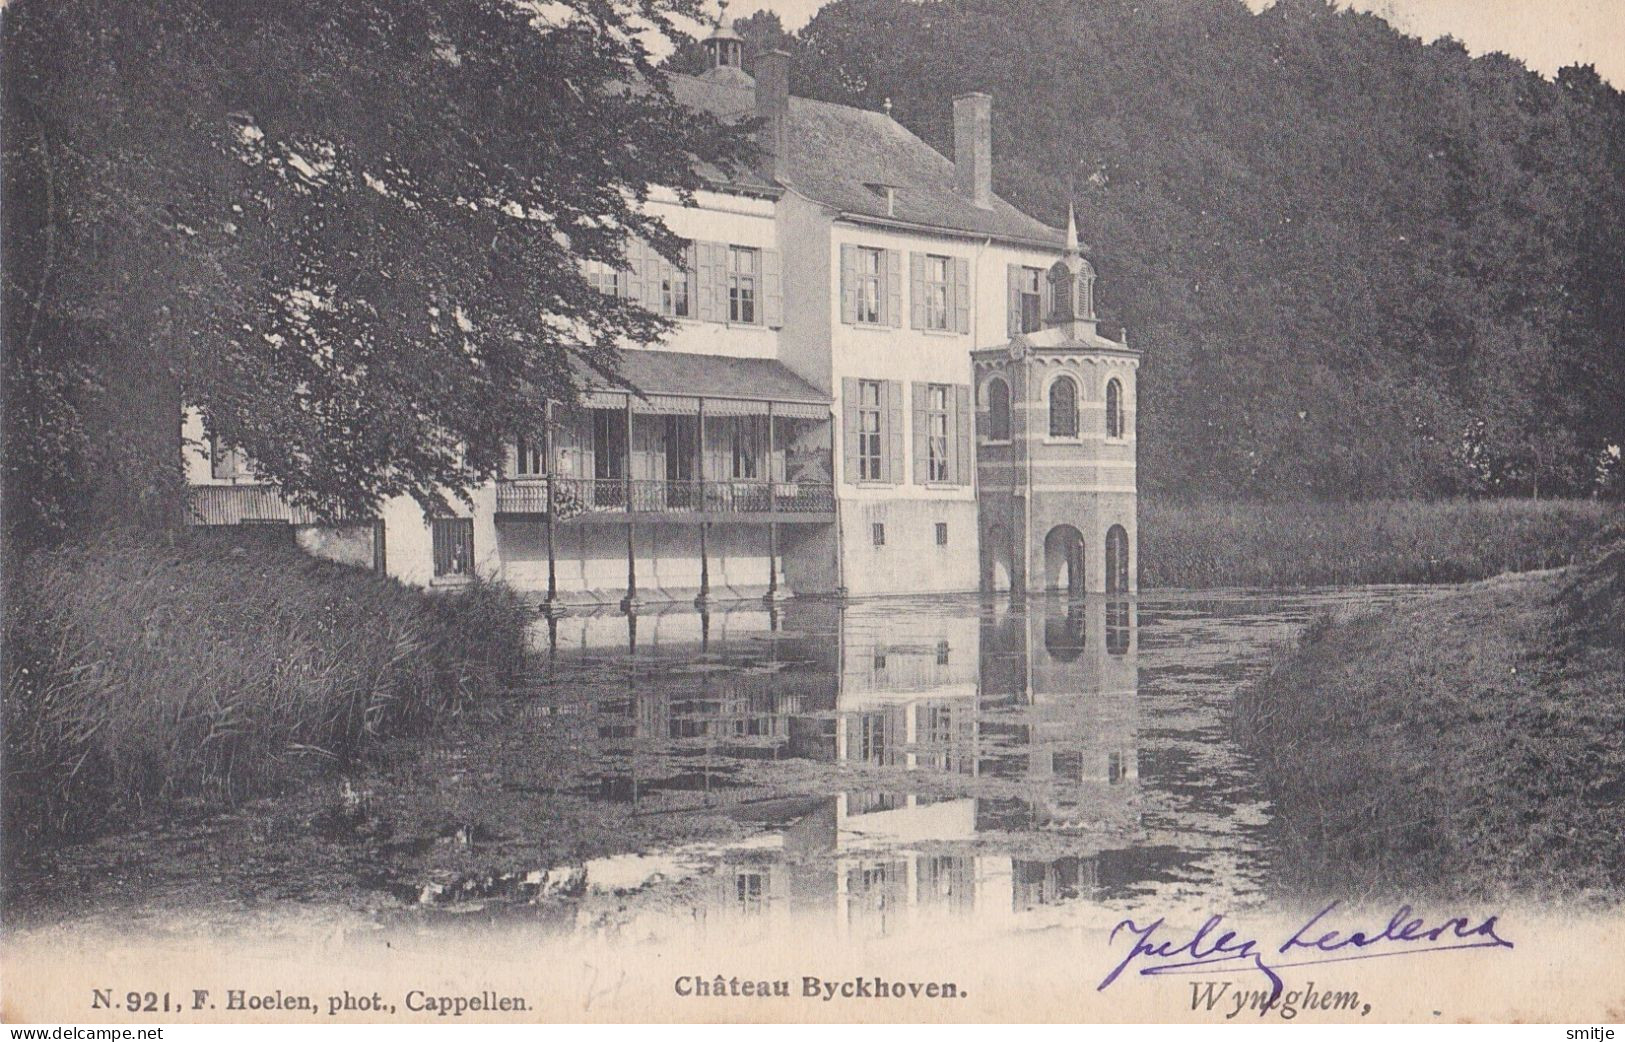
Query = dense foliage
x=140 y=674
x=350 y=231
x=1359 y=265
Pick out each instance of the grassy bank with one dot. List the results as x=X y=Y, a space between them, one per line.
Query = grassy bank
x=1385 y=541
x=1465 y=745
x=141 y=676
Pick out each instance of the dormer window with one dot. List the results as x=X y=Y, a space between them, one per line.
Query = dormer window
x=1030 y=298
x=886 y=192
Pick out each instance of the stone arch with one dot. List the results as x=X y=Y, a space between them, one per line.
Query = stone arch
x=996 y=402
x=1064 y=396
x=1063 y=560
x=1117 y=560
x=998 y=560
x=1115 y=427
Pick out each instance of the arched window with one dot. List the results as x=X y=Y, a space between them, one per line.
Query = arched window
x=998 y=410
x=1114 y=408
x=1116 y=560
x=1063 y=408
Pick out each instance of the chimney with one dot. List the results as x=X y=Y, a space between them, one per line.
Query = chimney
x=773 y=108
x=973 y=148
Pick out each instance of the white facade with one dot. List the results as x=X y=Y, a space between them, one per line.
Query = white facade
x=823 y=440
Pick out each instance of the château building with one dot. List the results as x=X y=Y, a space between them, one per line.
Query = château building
x=884 y=379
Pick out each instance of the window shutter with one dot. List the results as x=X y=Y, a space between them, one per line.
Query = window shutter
x=849 y=283
x=645 y=277
x=894 y=429
x=631 y=280
x=510 y=463
x=626 y=275
x=961 y=291
x=849 y=428
x=894 y=297
x=1013 y=278
x=961 y=461
x=711 y=260
x=922 y=434
x=772 y=289
x=1046 y=295
x=654 y=273
x=691 y=262
x=916 y=296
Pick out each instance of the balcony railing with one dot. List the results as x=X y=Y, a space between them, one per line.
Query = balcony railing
x=574 y=497
x=239 y=504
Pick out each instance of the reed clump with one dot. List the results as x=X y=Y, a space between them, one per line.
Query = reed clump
x=141 y=675
x=1209 y=544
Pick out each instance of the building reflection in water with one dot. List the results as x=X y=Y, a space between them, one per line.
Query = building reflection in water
x=1039 y=700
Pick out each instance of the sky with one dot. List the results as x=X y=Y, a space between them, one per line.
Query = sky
x=1545 y=34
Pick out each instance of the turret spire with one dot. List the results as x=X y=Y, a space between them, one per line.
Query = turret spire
x=1072 y=285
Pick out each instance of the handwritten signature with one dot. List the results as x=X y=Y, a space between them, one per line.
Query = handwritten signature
x=1213 y=948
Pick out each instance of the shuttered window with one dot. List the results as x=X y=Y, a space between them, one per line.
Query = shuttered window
x=729 y=283
x=938 y=303
x=871 y=413
x=1114 y=408
x=871 y=286
x=871 y=275
x=937 y=434
x=872 y=426
x=939 y=293
x=744 y=283
x=453 y=539
x=942 y=422
x=674 y=296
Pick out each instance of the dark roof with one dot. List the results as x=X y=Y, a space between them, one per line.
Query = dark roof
x=715 y=376
x=836 y=151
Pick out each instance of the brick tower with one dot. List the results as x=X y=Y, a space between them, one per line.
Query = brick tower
x=1055 y=455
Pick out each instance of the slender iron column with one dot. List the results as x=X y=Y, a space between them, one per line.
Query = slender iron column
x=772 y=507
x=704 y=598
x=550 y=607
x=629 y=604
x=772 y=562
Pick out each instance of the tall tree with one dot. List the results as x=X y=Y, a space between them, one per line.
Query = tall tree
x=350 y=232
x=1360 y=265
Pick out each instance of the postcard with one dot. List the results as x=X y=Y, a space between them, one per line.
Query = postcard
x=852 y=511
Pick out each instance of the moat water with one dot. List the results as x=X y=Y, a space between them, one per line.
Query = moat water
x=892 y=763
x=863 y=770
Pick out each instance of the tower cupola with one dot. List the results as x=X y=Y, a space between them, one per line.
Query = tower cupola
x=725 y=48
x=1072 y=284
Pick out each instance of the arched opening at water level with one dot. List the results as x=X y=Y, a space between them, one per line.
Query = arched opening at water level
x=997 y=560
x=1063 y=560
x=1116 y=560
